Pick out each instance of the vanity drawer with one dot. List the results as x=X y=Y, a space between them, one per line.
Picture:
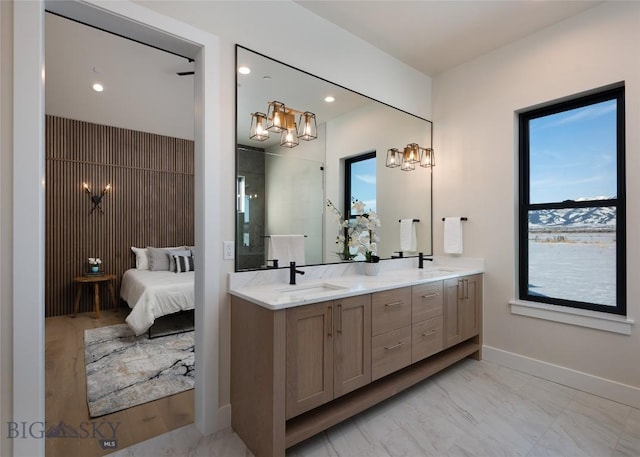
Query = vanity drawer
x=390 y=351
x=390 y=310
x=426 y=338
x=426 y=301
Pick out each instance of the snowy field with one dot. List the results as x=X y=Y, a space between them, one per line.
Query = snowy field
x=577 y=266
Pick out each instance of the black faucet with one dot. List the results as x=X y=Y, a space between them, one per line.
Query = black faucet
x=275 y=263
x=293 y=272
x=421 y=260
x=399 y=256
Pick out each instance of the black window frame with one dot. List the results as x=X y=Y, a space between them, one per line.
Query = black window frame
x=619 y=202
x=348 y=163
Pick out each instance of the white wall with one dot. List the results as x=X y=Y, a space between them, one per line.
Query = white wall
x=313 y=45
x=399 y=194
x=6 y=276
x=326 y=50
x=475 y=132
x=292 y=34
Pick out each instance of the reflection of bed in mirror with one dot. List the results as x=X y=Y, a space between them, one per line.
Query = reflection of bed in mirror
x=284 y=190
x=152 y=294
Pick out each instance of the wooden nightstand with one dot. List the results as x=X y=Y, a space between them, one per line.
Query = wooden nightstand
x=96 y=280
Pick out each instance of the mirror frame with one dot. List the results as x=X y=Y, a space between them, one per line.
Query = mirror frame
x=236 y=168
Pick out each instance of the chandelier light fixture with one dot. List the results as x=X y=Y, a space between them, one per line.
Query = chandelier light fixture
x=411 y=155
x=282 y=119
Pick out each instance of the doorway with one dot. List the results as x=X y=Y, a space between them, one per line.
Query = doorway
x=28 y=220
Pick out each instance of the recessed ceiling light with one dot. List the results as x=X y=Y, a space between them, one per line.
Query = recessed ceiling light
x=244 y=70
x=329 y=99
x=98 y=87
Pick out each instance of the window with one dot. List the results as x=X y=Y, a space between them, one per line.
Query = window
x=572 y=203
x=360 y=181
x=359 y=184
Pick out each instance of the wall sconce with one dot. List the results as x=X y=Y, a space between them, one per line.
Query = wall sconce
x=411 y=153
x=407 y=165
x=427 y=159
x=96 y=199
x=307 y=128
x=276 y=117
x=410 y=156
x=289 y=138
x=394 y=158
x=281 y=119
x=259 y=127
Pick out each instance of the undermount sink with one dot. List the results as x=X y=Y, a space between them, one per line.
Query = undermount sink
x=307 y=290
x=439 y=271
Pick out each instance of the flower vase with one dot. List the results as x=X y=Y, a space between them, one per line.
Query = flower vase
x=345 y=254
x=371 y=269
x=94 y=268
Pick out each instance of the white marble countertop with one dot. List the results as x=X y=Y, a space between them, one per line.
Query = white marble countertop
x=327 y=285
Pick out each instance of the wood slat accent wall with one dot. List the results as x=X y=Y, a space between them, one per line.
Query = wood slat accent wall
x=151 y=203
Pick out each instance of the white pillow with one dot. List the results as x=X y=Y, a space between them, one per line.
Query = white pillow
x=159 y=258
x=142 y=258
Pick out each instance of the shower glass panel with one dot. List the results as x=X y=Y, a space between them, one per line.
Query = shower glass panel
x=295 y=201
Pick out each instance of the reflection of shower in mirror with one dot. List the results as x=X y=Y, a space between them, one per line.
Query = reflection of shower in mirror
x=283 y=189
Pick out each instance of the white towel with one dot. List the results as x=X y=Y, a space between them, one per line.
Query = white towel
x=453 y=235
x=408 y=240
x=287 y=248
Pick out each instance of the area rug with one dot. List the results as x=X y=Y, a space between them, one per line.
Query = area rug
x=124 y=370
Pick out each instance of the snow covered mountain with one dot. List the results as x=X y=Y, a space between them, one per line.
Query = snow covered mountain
x=573 y=219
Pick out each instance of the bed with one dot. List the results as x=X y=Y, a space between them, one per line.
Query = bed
x=153 y=294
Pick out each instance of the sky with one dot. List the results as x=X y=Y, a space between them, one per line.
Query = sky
x=573 y=154
x=363 y=182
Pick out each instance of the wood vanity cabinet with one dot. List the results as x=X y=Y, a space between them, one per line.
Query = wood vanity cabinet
x=462 y=309
x=352 y=344
x=426 y=320
x=391 y=331
x=298 y=371
x=328 y=351
x=309 y=357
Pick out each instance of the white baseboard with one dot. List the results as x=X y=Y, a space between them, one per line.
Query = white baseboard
x=606 y=388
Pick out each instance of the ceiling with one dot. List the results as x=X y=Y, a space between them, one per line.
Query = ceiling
x=141 y=88
x=434 y=36
x=270 y=80
x=143 y=92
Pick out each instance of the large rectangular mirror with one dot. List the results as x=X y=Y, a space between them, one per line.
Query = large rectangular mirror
x=282 y=191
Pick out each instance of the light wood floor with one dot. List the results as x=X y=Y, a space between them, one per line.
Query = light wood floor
x=66 y=394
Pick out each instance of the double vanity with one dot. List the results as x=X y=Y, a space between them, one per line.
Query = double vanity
x=305 y=357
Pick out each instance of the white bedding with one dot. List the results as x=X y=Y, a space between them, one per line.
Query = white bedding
x=152 y=294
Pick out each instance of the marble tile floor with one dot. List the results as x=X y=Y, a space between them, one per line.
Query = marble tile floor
x=471 y=409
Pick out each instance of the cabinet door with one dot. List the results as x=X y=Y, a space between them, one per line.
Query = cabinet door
x=452 y=322
x=352 y=344
x=470 y=306
x=309 y=357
